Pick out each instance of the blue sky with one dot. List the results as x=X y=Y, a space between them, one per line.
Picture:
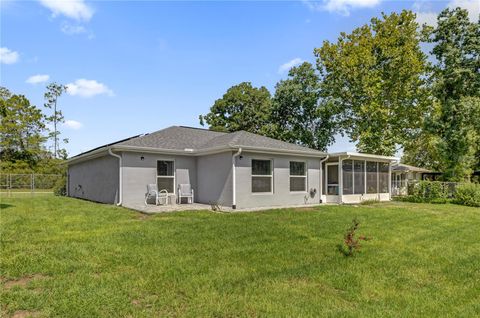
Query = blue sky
x=136 y=67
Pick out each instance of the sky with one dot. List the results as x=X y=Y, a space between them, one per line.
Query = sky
x=134 y=67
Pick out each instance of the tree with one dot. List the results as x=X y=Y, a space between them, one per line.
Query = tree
x=242 y=107
x=375 y=76
x=456 y=85
x=21 y=129
x=298 y=114
x=54 y=91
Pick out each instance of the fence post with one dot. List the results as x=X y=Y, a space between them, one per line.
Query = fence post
x=33 y=183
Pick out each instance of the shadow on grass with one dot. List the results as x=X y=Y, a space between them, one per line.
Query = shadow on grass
x=5 y=206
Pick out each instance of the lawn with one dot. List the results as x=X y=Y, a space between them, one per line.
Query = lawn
x=72 y=258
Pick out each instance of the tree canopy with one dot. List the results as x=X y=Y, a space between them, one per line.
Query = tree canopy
x=242 y=107
x=376 y=78
x=298 y=114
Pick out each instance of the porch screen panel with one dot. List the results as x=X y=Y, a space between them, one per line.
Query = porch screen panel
x=332 y=179
x=166 y=175
x=383 y=177
x=347 y=166
x=372 y=185
x=359 y=179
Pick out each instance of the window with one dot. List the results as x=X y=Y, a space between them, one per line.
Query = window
x=347 y=166
x=383 y=177
x=332 y=179
x=166 y=175
x=358 y=177
x=372 y=185
x=262 y=177
x=298 y=176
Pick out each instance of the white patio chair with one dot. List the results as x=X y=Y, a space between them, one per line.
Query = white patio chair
x=152 y=192
x=185 y=191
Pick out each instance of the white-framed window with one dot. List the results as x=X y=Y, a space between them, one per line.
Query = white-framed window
x=166 y=175
x=298 y=176
x=262 y=176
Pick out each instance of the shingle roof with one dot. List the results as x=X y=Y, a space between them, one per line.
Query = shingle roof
x=181 y=138
x=174 y=138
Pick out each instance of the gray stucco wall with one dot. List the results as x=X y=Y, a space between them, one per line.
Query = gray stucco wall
x=95 y=179
x=281 y=182
x=214 y=175
x=138 y=173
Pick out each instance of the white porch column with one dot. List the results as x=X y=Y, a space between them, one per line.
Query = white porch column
x=340 y=180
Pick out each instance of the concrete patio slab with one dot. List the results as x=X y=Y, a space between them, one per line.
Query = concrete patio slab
x=154 y=209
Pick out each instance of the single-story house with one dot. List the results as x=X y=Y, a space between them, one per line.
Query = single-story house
x=238 y=170
x=402 y=174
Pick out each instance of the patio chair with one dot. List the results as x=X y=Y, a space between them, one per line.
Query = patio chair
x=185 y=191
x=152 y=192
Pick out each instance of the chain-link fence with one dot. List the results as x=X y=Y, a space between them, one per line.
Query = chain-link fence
x=33 y=183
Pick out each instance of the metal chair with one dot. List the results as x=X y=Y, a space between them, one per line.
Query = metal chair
x=185 y=191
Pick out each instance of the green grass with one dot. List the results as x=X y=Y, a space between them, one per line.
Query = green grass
x=80 y=259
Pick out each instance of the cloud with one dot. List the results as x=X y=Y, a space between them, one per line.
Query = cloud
x=473 y=7
x=428 y=16
x=286 y=66
x=37 y=79
x=342 y=7
x=72 y=124
x=88 y=88
x=70 y=29
x=74 y=9
x=8 y=56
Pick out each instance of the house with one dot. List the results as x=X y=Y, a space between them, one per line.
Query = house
x=402 y=174
x=238 y=170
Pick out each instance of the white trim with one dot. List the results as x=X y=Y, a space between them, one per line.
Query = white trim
x=168 y=177
x=305 y=176
x=363 y=155
x=261 y=175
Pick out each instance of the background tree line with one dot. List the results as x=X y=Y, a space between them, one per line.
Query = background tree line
x=26 y=131
x=377 y=86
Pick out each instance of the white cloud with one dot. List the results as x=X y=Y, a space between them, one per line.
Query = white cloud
x=72 y=124
x=74 y=9
x=429 y=18
x=340 y=6
x=286 y=66
x=8 y=56
x=37 y=79
x=473 y=7
x=426 y=15
x=70 y=29
x=88 y=88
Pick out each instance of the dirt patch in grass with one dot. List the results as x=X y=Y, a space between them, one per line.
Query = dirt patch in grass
x=142 y=216
x=25 y=314
x=23 y=281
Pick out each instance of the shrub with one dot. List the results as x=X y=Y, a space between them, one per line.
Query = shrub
x=468 y=194
x=351 y=242
x=60 y=187
x=428 y=191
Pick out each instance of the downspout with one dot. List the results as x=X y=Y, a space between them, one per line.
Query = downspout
x=119 y=175
x=321 y=176
x=234 y=190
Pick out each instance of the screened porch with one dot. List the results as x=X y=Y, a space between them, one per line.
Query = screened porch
x=353 y=178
